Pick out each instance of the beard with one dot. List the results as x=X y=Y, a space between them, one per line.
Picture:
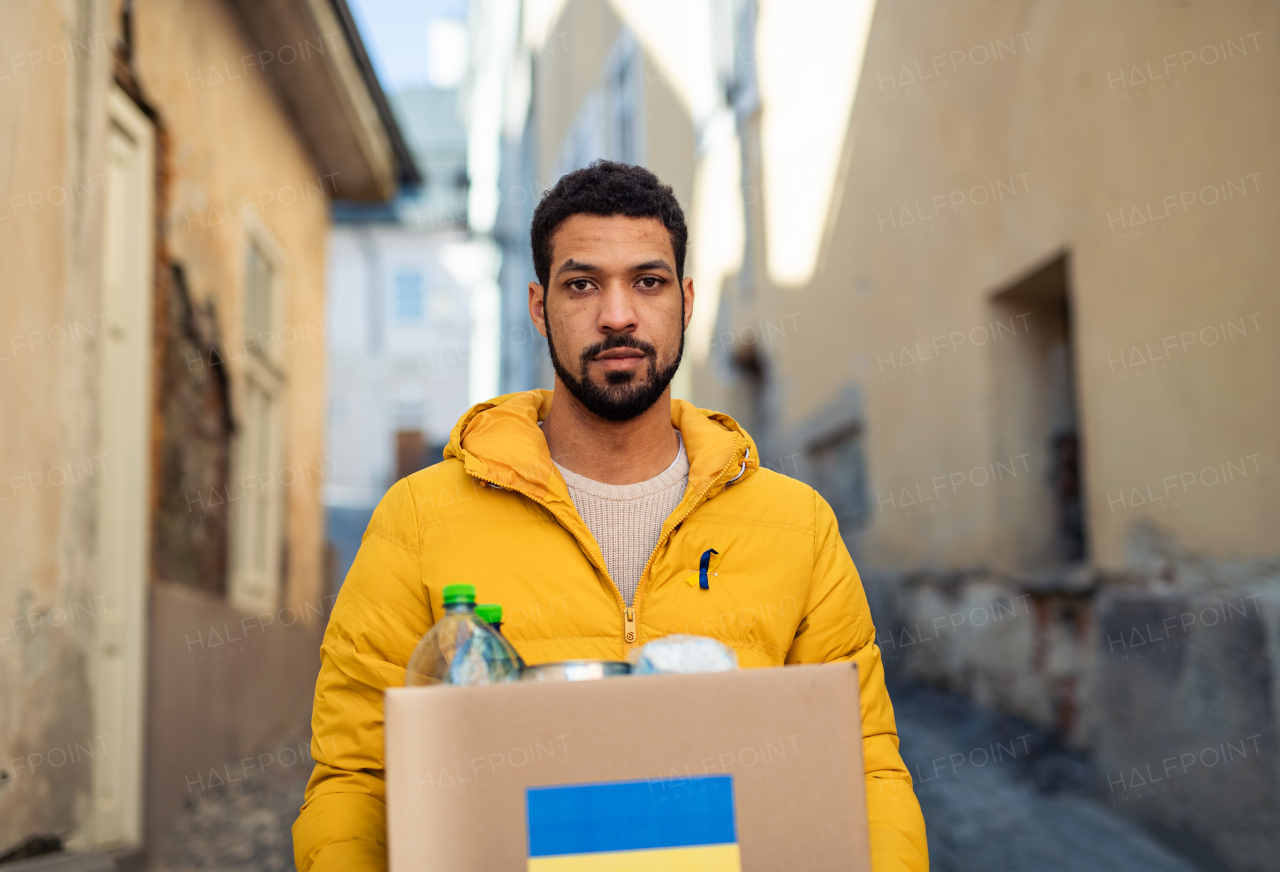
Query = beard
x=625 y=395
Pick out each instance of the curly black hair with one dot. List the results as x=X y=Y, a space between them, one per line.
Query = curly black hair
x=606 y=188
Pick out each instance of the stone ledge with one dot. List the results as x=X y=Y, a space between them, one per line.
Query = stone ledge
x=89 y=861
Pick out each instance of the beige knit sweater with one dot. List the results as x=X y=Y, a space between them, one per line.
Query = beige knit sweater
x=626 y=519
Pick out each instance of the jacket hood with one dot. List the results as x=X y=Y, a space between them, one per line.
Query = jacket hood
x=499 y=441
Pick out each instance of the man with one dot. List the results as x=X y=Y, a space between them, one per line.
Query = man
x=585 y=511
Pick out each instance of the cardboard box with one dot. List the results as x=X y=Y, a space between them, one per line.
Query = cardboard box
x=761 y=767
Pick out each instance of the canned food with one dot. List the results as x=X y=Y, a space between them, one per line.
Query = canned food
x=576 y=670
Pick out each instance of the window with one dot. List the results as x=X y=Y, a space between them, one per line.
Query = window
x=409 y=303
x=256 y=504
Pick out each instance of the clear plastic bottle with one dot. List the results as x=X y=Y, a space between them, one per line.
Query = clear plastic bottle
x=461 y=648
x=491 y=613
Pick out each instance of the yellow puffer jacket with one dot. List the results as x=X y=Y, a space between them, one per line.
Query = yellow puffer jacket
x=496 y=513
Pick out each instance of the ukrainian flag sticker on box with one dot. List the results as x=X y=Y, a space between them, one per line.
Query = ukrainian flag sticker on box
x=629 y=826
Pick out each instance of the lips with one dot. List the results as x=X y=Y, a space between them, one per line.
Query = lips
x=619 y=354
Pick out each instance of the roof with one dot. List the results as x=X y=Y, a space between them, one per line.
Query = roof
x=335 y=98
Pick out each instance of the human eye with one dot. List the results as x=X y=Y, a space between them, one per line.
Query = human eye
x=580 y=285
x=650 y=283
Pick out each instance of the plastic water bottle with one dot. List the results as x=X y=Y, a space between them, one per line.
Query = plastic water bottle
x=491 y=613
x=462 y=648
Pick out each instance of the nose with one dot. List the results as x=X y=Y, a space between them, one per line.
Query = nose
x=617 y=310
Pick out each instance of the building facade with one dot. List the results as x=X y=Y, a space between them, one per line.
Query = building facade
x=409 y=292
x=163 y=584
x=573 y=89
x=1020 y=364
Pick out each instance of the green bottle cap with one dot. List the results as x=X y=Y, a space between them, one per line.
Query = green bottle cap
x=455 y=594
x=490 y=612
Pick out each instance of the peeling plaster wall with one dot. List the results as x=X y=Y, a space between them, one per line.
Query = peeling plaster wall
x=234 y=151
x=52 y=90
x=1168 y=679
x=227 y=150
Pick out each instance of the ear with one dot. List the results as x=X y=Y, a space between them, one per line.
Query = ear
x=538 y=308
x=688 y=300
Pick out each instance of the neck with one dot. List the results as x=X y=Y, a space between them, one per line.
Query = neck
x=610 y=452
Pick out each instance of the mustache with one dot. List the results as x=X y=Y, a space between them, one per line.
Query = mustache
x=618 y=340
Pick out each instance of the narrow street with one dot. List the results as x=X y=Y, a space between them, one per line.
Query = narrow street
x=975 y=362
x=1028 y=812
x=245 y=830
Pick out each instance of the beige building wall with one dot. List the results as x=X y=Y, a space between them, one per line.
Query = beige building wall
x=997 y=154
x=47 y=394
x=232 y=162
x=568 y=67
x=670 y=146
x=236 y=165
x=1072 y=152
x=566 y=70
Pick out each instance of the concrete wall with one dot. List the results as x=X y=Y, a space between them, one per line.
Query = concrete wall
x=235 y=163
x=50 y=246
x=223 y=148
x=569 y=66
x=1187 y=687
x=669 y=136
x=225 y=687
x=566 y=70
x=1172 y=693
x=996 y=156
x=234 y=151
x=1050 y=119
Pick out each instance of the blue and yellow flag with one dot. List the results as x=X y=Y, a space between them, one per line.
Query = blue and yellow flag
x=630 y=826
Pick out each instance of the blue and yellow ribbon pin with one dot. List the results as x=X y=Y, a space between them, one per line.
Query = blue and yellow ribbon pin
x=707 y=566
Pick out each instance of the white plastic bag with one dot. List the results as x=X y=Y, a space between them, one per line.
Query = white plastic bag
x=682 y=655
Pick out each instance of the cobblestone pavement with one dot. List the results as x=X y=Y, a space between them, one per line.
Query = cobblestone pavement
x=998 y=797
x=246 y=828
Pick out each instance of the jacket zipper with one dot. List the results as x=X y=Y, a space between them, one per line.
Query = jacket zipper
x=697 y=501
x=628 y=613
x=629 y=634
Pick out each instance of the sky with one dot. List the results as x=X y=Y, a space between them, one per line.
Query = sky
x=414 y=42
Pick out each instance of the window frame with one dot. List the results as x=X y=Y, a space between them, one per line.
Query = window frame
x=259 y=396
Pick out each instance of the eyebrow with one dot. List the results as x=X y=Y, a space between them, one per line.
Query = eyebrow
x=572 y=265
